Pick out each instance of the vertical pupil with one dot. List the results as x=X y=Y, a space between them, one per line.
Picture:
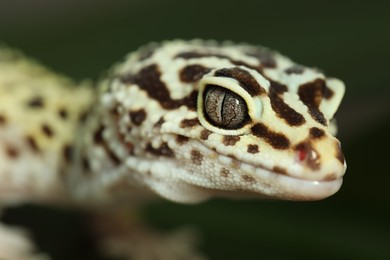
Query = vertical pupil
x=224 y=108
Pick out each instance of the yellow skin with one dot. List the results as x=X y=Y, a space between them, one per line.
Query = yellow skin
x=161 y=122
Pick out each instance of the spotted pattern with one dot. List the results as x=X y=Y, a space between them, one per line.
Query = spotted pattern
x=12 y=152
x=204 y=134
x=3 y=120
x=68 y=151
x=63 y=113
x=230 y=140
x=284 y=120
x=47 y=130
x=192 y=73
x=143 y=126
x=296 y=69
x=138 y=116
x=187 y=123
x=311 y=94
x=196 y=157
x=181 y=139
x=36 y=102
x=253 y=148
x=149 y=79
x=163 y=150
x=225 y=172
x=316 y=132
x=244 y=78
x=284 y=111
x=32 y=143
x=276 y=140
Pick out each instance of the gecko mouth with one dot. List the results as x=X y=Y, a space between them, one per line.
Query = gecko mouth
x=273 y=184
x=293 y=188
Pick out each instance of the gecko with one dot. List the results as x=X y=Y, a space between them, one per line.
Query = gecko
x=184 y=120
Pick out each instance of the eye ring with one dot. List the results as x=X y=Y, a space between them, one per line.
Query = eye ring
x=253 y=105
x=224 y=108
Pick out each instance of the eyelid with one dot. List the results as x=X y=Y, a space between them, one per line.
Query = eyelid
x=254 y=105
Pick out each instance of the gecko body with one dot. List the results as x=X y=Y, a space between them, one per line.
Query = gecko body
x=186 y=120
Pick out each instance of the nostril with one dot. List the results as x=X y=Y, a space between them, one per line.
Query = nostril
x=306 y=153
x=301 y=153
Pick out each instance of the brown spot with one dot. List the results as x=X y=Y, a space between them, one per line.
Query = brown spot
x=185 y=123
x=192 y=73
x=129 y=147
x=339 y=153
x=86 y=164
x=138 y=116
x=276 y=140
x=311 y=95
x=328 y=93
x=181 y=139
x=330 y=177
x=296 y=69
x=32 y=143
x=47 y=130
x=282 y=110
x=316 y=132
x=204 y=134
x=224 y=172
x=163 y=150
x=197 y=55
x=12 y=152
x=194 y=55
x=277 y=88
x=83 y=117
x=3 y=120
x=312 y=158
x=160 y=122
x=230 y=140
x=114 y=112
x=264 y=56
x=62 y=113
x=99 y=140
x=68 y=153
x=98 y=135
x=113 y=157
x=36 y=102
x=280 y=170
x=235 y=164
x=149 y=80
x=253 y=148
x=248 y=178
x=244 y=78
x=196 y=157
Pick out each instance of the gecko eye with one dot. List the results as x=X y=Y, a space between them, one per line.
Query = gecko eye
x=224 y=108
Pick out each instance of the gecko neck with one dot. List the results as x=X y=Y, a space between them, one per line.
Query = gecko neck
x=99 y=170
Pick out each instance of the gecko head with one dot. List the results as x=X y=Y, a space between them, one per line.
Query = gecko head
x=234 y=130
x=276 y=139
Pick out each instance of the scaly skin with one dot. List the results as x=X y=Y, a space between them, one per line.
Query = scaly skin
x=184 y=120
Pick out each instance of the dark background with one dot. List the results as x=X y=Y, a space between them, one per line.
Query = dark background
x=350 y=41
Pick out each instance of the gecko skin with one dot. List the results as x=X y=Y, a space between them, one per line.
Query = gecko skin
x=187 y=120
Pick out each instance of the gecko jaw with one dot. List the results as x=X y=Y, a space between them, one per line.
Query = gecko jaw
x=292 y=188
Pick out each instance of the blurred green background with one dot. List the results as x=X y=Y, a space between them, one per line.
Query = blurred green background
x=350 y=41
